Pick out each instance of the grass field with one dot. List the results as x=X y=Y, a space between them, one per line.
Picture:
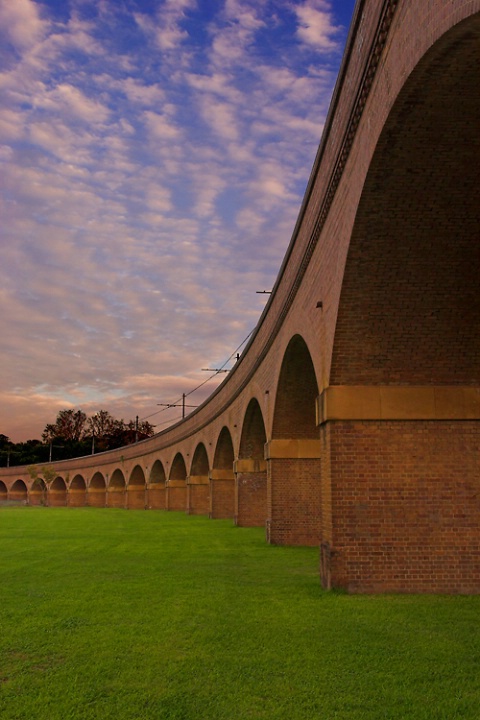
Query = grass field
x=116 y=614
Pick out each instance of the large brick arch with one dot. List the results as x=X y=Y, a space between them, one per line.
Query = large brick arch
x=176 y=491
x=38 y=492
x=253 y=437
x=136 y=489
x=409 y=311
x=57 y=492
x=400 y=418
x=297 y=392
x=18 y=491
x=3 y=492
x=293 y=454
x=117 y=489
x=250 y=470
x=157 y=473
x=156 y=486
x=222 y=481
x=198 y=490
x=97 y=490
x=200 y=465
x=77 y=491
x=224 y=454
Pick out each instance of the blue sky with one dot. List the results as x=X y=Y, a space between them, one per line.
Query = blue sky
x=153 y=159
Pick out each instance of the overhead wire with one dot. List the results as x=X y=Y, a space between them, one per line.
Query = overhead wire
x=210 y=377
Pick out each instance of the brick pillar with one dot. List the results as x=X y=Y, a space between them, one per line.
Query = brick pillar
x=405 y=489
x=136 y=499
x=176 y=495
x=293 y=492
x=76 y=497
x=198 y=495
x=156 y=496
x=96 y=497
x=222 y=494
x=37 y=497
x=57 y=498
x=116 y=497
x=250 y=492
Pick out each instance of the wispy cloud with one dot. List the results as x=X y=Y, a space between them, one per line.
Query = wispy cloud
x=152 y=167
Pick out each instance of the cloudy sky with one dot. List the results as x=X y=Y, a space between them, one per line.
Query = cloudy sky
x=153 y=159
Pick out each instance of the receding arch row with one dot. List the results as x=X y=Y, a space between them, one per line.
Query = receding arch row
x=375 y=312
x=223 y=474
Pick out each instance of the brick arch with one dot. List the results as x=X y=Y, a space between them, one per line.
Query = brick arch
x=250 y=470
x=200 y=464
x=117 y=490
x=178 y=471
x=3 y=492
x=198 y=485
x=77 y=492
x=176 y=489
x=222 y=481
x=136 y=489
x=117 y=479
x=38 y=492
x=98 y=482
x=409 y=310
x=97 y=491
x=57 y=492
x=224 y=455
x=137 y=476
x=157 y=473
x=78 y=483
x=156 y=486
x=18 y=491
x=253 y=437
x=297 y=391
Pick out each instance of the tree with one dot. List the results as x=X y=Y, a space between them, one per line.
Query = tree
x=69 y=426
x=101 y=425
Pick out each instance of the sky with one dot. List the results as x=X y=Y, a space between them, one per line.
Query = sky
x=153 y=159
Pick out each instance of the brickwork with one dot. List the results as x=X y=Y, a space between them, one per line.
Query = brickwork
x=136 y=497
x=222 y=495
x=156 y=496
x=116 y=497
x=176 y=496
x=198 y=495
x=77 y=498
x=406 y=506
x=251 y=499
x=18 y=492
x=294 y=509
x=57 y=493
x=96 y=497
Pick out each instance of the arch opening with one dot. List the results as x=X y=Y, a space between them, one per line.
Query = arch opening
x=409 y=309
x=251 y=475
x=295 y=415
x=157 y=474
x=18 y=492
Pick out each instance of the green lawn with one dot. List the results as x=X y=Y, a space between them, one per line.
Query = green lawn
x=129 y=614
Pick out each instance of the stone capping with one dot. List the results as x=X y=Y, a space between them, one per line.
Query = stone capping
x=292 y=449
x=221 y=474
x=422 y=402
x=197 y=480
x=249 y=465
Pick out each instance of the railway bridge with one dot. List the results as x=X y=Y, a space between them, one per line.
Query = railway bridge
x=351 y=421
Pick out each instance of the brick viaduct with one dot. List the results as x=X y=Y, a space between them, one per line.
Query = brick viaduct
x=352 y=420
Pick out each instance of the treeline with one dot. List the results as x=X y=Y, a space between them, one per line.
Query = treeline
x=74 y=434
